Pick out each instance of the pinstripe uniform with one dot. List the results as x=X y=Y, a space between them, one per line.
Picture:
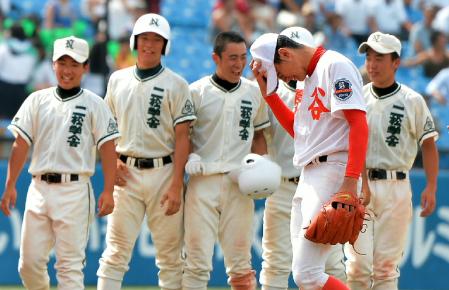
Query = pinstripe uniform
x=147 y=111
x=64 y=133
x=222 y=135
x=399 y=122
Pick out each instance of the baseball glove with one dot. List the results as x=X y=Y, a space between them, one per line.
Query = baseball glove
x=340 y=220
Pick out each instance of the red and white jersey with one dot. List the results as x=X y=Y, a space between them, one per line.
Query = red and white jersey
x=399 y=122
x=223 y=133
x=64 y=132
x=281 y=146
x=147 y=110
x=320 y=126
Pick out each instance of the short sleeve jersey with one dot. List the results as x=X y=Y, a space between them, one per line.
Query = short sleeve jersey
x=64 y=132
x=223 y=133
x=399 y=122
x=320 y=126
x=147 y=110
x=281 y=146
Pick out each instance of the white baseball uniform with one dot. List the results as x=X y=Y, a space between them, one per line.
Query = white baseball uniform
x=399 y=122
x=147 y=111
x=276 y=244
x=321 y=148
x=64 y=134
x=214 y=207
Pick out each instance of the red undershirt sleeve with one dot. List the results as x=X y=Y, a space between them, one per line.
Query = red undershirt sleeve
x=358 y=142
x=283 y=114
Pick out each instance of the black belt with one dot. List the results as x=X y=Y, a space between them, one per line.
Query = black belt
x=56 y=177
x=376 y=174
x=319 y=159
x=145 y=163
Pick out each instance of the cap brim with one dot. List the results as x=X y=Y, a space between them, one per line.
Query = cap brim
x=78 y=58
x=272 y=79
x=374 y=46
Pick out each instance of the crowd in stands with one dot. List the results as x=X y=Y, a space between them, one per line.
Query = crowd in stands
x=26 y=38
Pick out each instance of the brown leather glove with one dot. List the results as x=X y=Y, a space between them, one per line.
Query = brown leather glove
x=340 y=220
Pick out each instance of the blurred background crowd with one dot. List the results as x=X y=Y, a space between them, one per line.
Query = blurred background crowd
x=29 y=27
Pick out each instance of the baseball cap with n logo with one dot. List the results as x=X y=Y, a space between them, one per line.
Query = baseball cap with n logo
x=75 y=47
x=382 y=43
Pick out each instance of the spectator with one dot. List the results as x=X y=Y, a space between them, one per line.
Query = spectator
x=389 y=16
x=334 y=36
x=124 y=58
x=310 y=20
x=16 y=66
x=153 y=6
x=434 y=59
x=356 y=15
x=121 y=16
x=414 y=13
x=43 y=75
x=60 y=13
x=232 y=15
x=94 y=10
x=5 y=6
x=441 y=22
x=419 y=38
x=95 y=80
x=438 y=88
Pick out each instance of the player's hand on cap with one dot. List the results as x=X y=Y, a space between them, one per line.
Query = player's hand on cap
x=260 y=75
x=8 y=200
x=121 y=174
x=105 y=203
x=194 y=166
x=172 y=200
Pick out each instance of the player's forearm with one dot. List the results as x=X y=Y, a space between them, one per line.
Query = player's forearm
x=283 y=114
x=19 y=154
x=430 y=162
x=109 y=164
x=259 y=145
x=182 y=150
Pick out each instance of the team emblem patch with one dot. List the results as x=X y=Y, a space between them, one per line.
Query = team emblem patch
x=429 y=126
x=112 y=127
x=343 y=89
x=188 y=108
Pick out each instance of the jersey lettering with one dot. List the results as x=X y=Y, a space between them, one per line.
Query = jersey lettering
x=245 y=121
x=298 y=99
x=76 y=127
x=317 y=107
x=394 y=126
x=154 y=110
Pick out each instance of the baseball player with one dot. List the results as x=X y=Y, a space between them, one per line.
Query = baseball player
x=276 y=244
x=231 y=115
x=399 y=122
x=64 y=124
x=153 y=108
x=330 y=136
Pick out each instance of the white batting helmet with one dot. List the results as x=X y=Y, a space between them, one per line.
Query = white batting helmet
x=151 y=23
x=259 y=177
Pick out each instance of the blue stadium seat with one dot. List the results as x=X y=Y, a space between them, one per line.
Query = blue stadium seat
x=194 y=13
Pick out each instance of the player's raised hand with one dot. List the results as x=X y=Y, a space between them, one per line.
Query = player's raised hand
x=105 y=203
x=172 y=200
x=9 y=200
x=121 y=174
x=260 y=75
x=428 y=202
